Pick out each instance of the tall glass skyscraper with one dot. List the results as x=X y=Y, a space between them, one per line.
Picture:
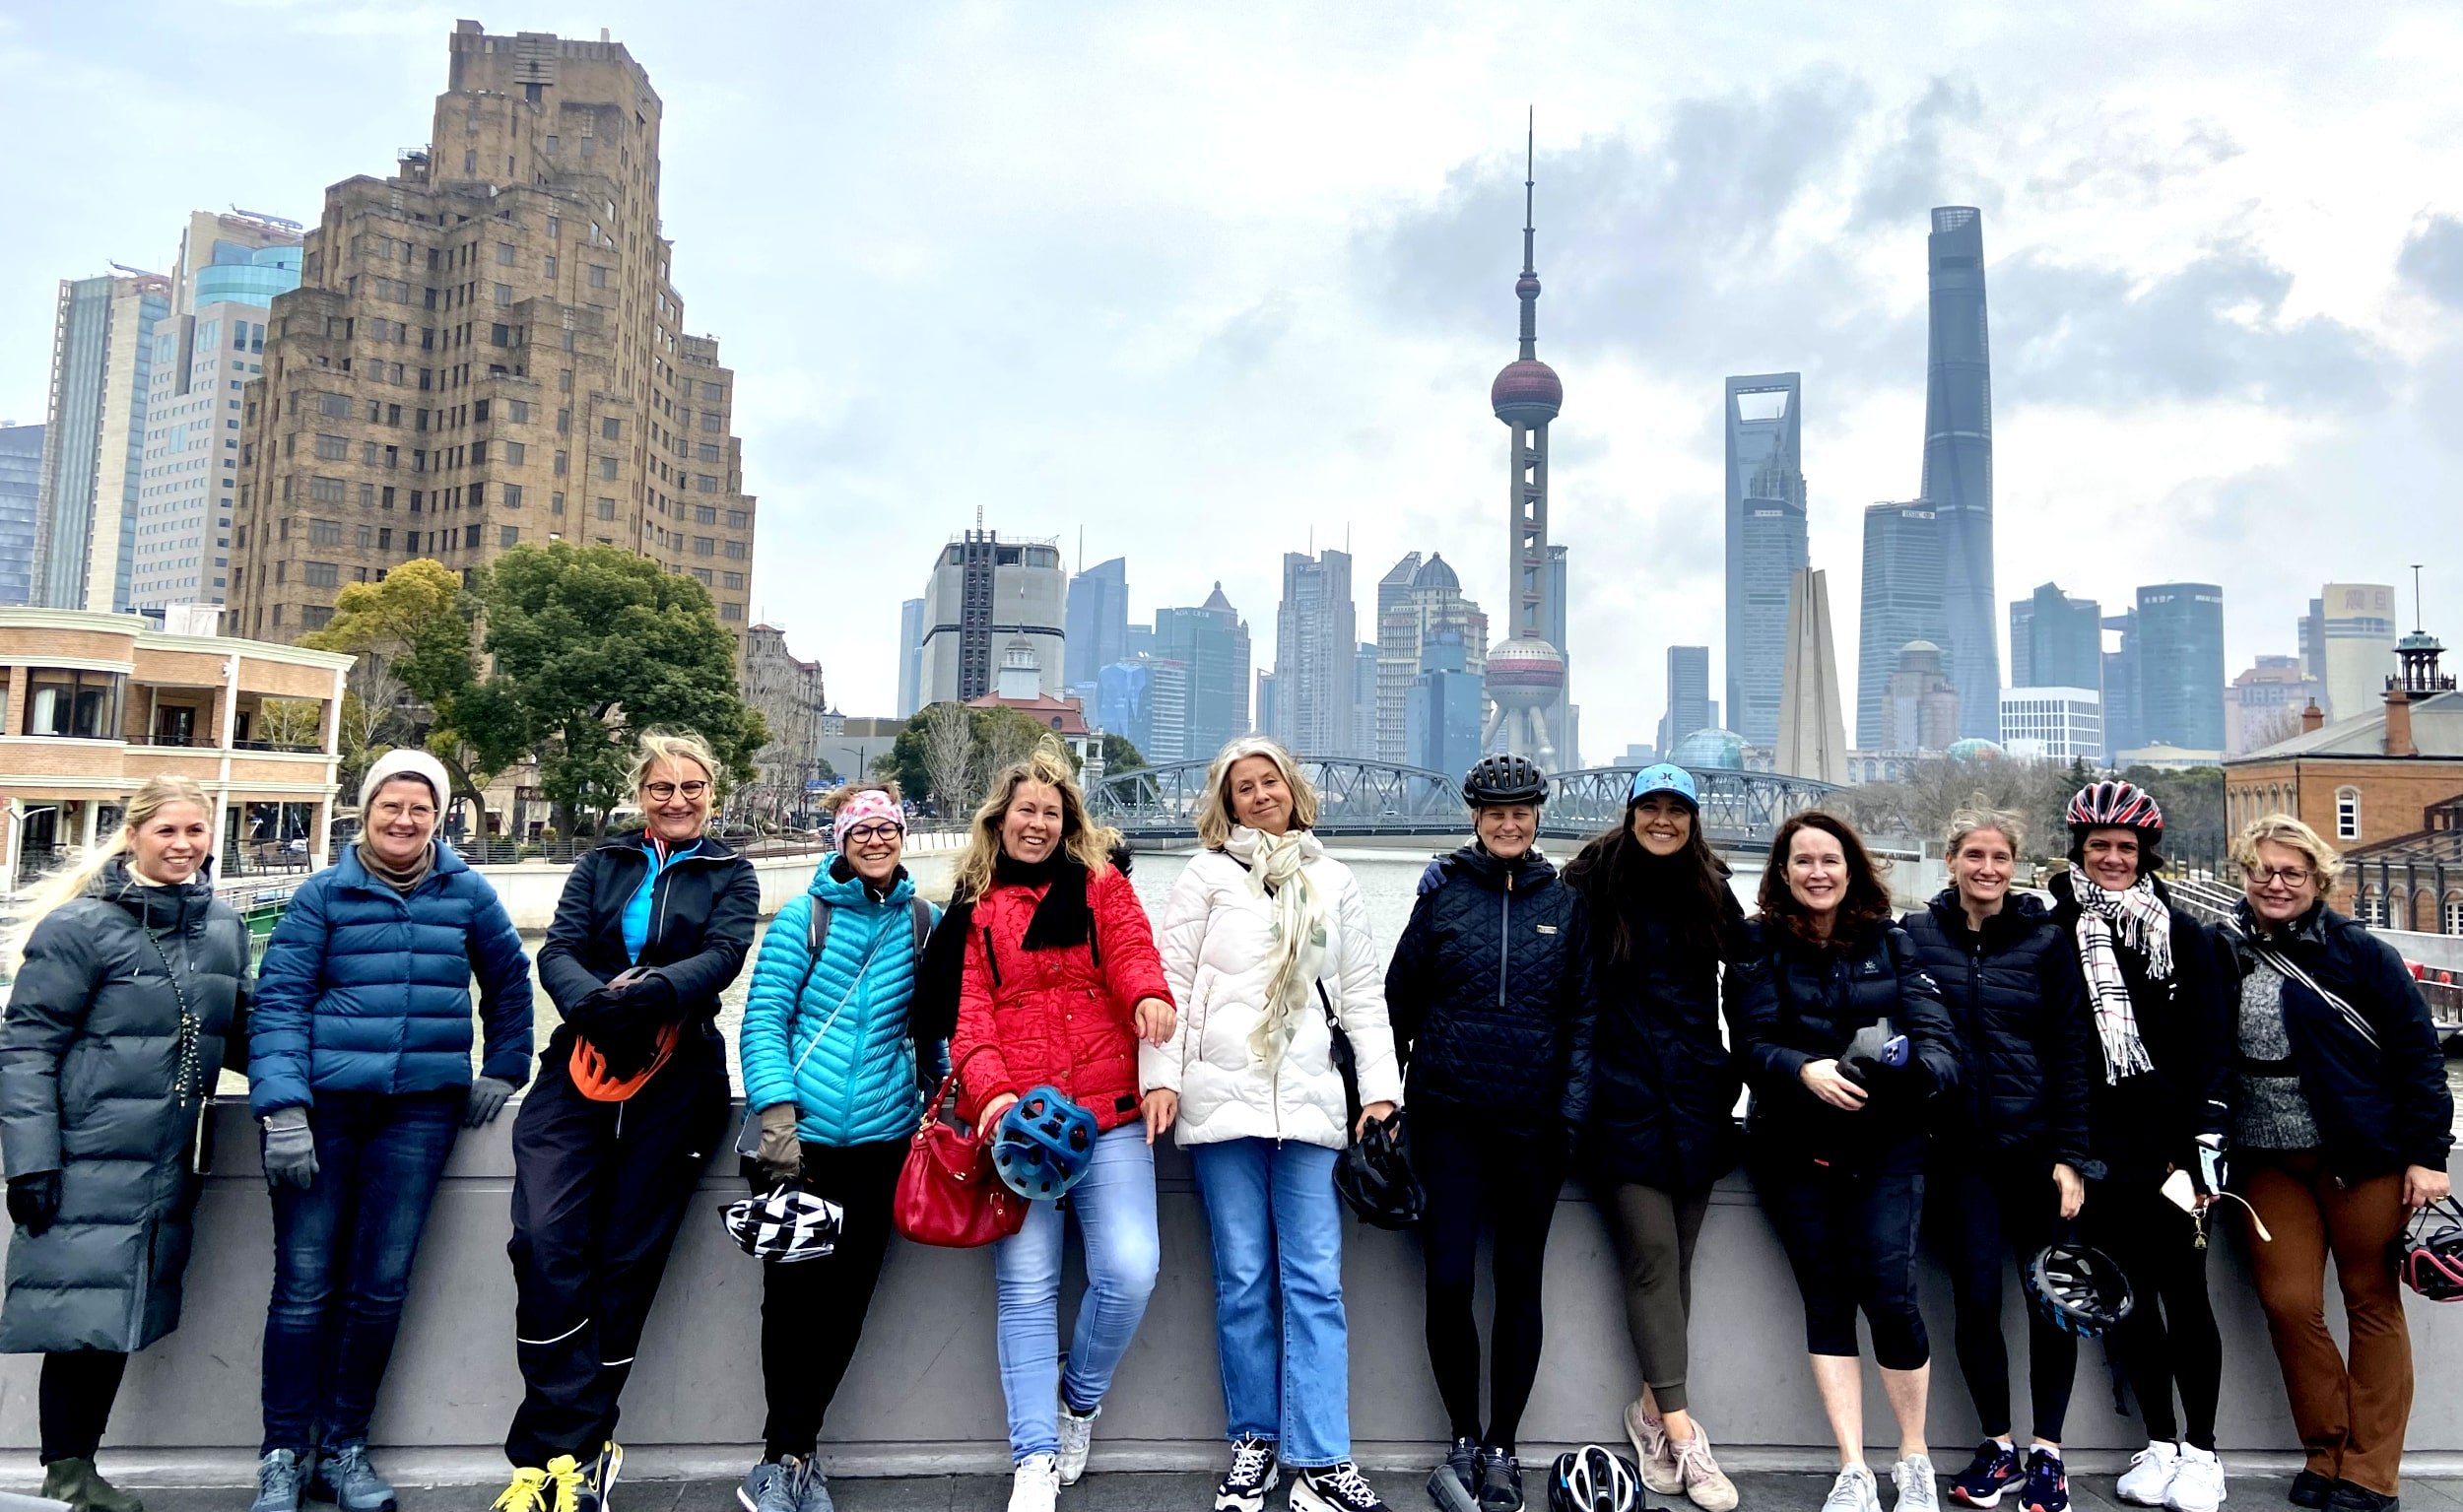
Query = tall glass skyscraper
x=1095 y=623
x=1689 y=696
x=1959 y=462
x=2055 y=640
x=1903 y=588
x=1212 y=641
x=21 y=476
x=1765 y=544
x=2179 y=634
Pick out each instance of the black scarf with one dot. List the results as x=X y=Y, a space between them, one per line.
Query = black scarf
x=1062 y=920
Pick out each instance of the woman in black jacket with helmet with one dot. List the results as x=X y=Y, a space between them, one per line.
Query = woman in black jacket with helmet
x=2008 y=1150
x=1492 y=1025
x=2156 y=1105
x=1662 y=1126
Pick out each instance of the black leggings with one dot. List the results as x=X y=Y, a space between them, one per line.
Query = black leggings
x=73 y=1400
x=2170 y=1338
x=1850 y=1239
x=813 y=1311
x=1983 y=1214
x=1473 y=1174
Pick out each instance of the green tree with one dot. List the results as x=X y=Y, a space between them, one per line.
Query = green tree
x=1119 y=755
x=412 y=634
x=949 y=752
x=591 y=646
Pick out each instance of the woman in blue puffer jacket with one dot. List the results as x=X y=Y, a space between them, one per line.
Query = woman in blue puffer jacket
x=359 y=1069
x=830 y=1053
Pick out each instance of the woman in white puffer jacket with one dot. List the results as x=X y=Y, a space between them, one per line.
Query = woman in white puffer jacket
x=1263 y=937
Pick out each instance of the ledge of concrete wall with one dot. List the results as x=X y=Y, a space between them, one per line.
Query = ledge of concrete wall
x=924 y=1393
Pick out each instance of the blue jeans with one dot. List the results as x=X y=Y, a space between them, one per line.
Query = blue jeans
x=1115 y=1206
x=342 y=1260
x=1278 y=1225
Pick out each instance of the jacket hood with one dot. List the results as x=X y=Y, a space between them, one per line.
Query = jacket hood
x=851 y=892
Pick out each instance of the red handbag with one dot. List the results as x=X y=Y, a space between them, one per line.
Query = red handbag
x=947 y=1193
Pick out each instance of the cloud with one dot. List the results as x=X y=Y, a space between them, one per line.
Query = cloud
x=2212 y=328
x=2431 y=259
x=1914 y=172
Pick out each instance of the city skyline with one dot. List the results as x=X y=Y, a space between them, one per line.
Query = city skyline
x=2175 y=251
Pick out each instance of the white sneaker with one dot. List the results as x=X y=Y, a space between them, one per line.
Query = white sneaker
x=1852 y=1491
x=2149 y=1478
x=1077 y=1436
x=1913 y=1476
x=1652 y=1450
x=1705 y=1486
x=2198 y=1483
x=1037 y=1486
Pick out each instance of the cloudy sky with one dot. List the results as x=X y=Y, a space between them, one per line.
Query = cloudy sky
x=1203 y=282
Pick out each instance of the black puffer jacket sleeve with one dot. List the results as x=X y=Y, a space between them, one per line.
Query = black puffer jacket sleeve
x=2209 y=1035
x=1753 y=995
x=1407 y=977
x=1932 y=1039
x=2420 y=1103
x=560 y=971
x=1577 y=1013
x=2072 y=1057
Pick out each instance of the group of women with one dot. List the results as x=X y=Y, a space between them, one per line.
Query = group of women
x=1996 y=1070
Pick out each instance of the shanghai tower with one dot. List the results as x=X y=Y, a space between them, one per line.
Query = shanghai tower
x=1959 y=462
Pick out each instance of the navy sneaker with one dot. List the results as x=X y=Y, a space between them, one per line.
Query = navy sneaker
x=1455 y=1485
x=2047 y=1483
x=1995 y=1469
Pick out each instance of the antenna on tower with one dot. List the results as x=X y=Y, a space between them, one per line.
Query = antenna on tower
x=2418 y=624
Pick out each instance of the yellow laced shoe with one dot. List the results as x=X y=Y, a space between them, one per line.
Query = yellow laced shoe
x=565 y=1475
x=527 y=1493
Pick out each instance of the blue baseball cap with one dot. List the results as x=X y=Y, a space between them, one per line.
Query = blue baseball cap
x=1665 y=778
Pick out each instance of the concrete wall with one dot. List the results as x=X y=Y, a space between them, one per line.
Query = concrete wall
x=924 y=1392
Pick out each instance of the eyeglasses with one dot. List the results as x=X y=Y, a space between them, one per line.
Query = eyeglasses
x=663 y=791
x=2288 y=875
x=872 y=834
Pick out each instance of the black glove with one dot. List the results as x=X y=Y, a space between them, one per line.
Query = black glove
x=487 y=1096
x=34 y=1200
x=654 y=995
x=618 y=1026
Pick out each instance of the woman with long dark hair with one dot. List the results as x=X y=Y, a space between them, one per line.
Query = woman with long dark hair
x=130 y=999
x=1848 y=1045
x=1660 y=1126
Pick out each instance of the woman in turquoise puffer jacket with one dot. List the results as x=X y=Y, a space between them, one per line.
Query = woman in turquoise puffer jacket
x=829 y=1061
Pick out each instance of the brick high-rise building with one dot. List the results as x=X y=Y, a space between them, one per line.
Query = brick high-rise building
x=487 y=348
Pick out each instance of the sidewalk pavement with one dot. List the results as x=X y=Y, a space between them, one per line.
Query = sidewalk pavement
x=1759 y=1491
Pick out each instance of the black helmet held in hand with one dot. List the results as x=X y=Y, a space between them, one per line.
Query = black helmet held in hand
x=1374 y=1176
x=2077 y=1289
x=1500 y=779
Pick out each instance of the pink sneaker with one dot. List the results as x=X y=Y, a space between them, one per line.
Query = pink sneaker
x=1651 y=1451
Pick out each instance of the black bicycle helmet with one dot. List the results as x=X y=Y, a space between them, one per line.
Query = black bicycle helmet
x=2430 y=1258
x=1505 y=779
x=2077 y=1289
x=1593 y=1480
x=1374 y=1176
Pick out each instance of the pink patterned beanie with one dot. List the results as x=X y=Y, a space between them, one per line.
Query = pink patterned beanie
x=864 y=808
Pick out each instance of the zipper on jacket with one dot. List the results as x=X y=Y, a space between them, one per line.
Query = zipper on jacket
x=1505 y=937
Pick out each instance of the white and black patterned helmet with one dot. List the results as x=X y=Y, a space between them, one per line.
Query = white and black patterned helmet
x=1594 y=1479
x=786 y=1226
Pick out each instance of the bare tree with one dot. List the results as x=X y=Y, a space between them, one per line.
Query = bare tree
x=949 y=758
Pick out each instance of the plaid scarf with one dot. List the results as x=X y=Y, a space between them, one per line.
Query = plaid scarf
x=2139 y=919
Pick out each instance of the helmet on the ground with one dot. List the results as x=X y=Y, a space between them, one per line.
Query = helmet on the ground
x=1374 y=1176
x=2077 y=1289
x=2430 y=1258
x=786 y=1224
x=2115 y=805
x=1666 y=777
x=1500 y=779
x=1593 y=1480
x=1042 y=1143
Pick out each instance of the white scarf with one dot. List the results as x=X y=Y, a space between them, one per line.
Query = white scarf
x=2141 y=921
x=1295 y=931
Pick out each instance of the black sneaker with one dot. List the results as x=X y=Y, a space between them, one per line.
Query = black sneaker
x=1251 y=1478
x=2311 y=1489
x=2047 y=1483
x=1335 y=1488
x=2360 y=1498
x=1995 y=1469
x=1455 y=1485
x=1501 y=1482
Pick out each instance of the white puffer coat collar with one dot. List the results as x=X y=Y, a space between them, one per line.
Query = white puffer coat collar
x=1214 y=942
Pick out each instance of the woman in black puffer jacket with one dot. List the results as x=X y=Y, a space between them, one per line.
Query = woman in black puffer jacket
x=2007 y=1154
x=1847 y=1047
x=1491 y=1025
x=1664 y=1089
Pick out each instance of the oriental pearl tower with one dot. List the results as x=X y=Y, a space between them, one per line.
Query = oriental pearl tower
x=1526 y=675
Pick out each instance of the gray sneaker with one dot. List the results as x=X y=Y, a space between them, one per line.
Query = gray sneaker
x=1913 y=1476
x=770 y=1487
x=279 y=1482
x=812 y=1489
x=345 y=1478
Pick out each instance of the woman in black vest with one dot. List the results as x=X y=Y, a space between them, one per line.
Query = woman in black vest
x=1846 y=1046
x=2004 y=1173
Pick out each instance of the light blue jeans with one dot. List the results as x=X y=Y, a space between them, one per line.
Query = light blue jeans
x=1114 y=1202
x=1277 y=1225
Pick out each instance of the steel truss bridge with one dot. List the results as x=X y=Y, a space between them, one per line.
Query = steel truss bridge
x=1739 y=809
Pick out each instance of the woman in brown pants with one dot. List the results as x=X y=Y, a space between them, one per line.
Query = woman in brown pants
x=2342 y=1123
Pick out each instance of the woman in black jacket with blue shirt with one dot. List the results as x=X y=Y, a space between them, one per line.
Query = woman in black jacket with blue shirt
x=1846 y=1045
x=2010 y=1148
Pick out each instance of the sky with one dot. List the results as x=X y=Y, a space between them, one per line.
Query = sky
x=1200 y=284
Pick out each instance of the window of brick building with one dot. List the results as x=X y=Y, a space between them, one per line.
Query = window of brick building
x=2346 y=813
x=704 y=545
x=607 y=508
x=332 y=448
x=326 y=491
x=735 y=550
x=733 y=581
x=704 y=514
x=701 y=576
x=731 y=612
x=611 y=428
x=319 y=574
x=607 y=467
x=737 y=519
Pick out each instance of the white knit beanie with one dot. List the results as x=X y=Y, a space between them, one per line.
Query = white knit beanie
x=406 y=761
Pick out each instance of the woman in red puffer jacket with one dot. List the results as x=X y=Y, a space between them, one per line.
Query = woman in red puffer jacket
x=1061 y=981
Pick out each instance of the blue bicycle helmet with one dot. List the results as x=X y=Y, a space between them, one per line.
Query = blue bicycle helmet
x=1666 y=777
x=1042 y=1145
